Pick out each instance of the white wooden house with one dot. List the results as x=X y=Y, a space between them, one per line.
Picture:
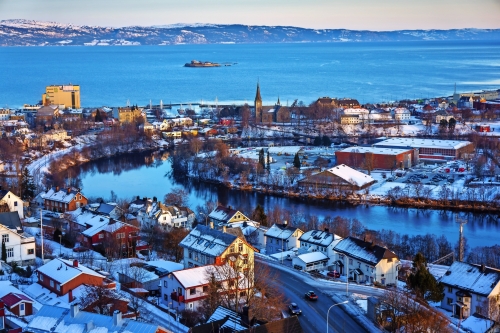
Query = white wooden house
x=20 y=247
x=281 y=238
x=14 y=202
x=319 y=241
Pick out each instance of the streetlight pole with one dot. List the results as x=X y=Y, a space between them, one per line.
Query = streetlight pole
x=60 y=241
x=328 y=313
x=41 y=232
x=206 y=217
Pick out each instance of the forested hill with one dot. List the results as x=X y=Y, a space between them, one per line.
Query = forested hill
x=32 y=33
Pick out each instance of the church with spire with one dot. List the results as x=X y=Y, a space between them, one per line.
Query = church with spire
x=270 y=114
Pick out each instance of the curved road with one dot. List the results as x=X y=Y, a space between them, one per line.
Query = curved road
x=313 y=319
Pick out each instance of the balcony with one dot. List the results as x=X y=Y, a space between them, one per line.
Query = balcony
x=175 y=297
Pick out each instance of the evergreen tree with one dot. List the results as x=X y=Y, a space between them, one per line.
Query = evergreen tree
x=262 y=159
x=268 y=164
x=98 y=116
x=423 y=283
x=296 y=161
x=27 y=185
x=4 y=252
x=326 y=141
x=317 y=141
x=259 y=215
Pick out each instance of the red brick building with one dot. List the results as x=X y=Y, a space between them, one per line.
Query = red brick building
x=62 y=200
x=18 y=304
x=371 y=158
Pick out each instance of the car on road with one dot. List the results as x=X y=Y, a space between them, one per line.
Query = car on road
x=311 y=296
x=80 y=249
x=333 y=274
x=294 y=309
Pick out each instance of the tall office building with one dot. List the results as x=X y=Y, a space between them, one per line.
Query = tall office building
x=68 y=95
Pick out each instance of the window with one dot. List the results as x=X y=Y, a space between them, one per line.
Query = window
x=10 y=253
x=449 y=301
x=31 y=251
x=450 y=289
x=101 y=236
x=5 y=238
x=15 y=203
x=479 y=298
x=478 y=309
x=52 y=283
x=205 y=289
x=245 y=261
x=165 y=297
x=120 y=235
x=350 y=261
x=192 y=291
x=165 y=283
x=231 y=249
x=231 y=283
x=21 y=306
x=243 y=294
x=240 y=247
x=58 y=287
x=41 y=277
x=190 y=305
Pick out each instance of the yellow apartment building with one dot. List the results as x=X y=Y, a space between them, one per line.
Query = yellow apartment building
x=128 y=114
x=68 y=95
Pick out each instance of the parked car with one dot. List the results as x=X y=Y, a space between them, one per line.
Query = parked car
x=333 y=274
x=311 y=296
x=294 y=309
x=80 y=249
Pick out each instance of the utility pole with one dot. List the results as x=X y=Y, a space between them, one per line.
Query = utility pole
x=41 y=232
x=461 y=238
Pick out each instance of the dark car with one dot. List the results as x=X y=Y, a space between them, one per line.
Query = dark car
x=310 y=295
x=294 y=309
x=333 y=274
x=80 y=249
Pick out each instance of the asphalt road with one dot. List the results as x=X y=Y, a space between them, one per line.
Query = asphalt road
x=313 y=318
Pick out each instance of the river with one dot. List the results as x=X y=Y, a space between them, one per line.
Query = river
x=148 y=175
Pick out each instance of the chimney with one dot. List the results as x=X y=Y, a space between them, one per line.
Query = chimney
x=327 y=230
x=155 y=199
x=211 y=224
x=69 y=190
x=70 y=296
x=75 y=263
x=57 y=188
x=224 y=229
x=285 y=223
x=73 y=310
x=483 y=268
x=90 y=326
x=117 y=318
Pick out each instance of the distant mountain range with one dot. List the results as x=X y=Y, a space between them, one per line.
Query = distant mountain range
x=36 y=33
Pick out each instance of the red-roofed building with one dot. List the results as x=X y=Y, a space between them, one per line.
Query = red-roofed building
x=18 y=304
x=7 y=325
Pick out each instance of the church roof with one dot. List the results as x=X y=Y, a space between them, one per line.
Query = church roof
x=257 y=95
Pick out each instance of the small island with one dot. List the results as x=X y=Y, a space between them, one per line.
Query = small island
x=196 y=63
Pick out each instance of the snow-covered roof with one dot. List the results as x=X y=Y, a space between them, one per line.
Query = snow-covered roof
x=198 y=276
x=7 y=288
x=477 y=324
x=375 y=150
x=208 y=241
x=64 y=195
x=281 y=231
x=140 y=274
x=107 y=225
x=312 y=257
x=319 y=237
x=291 y=150
x=233 y=320
x=363 y=251
x=57 y=319
x=350 y=175
x=224 y=214
x=472 y=278
x=168 y=265
x=422 y=143
x=46 y=297
x=85 y=217
x=63 y=271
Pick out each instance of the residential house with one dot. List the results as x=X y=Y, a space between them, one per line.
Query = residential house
x=18 y=303
x=54 y=135
x=470 y=288
x=402 y=115
x=319 y=241
x=310 y=262
x=62 y=276
x=186 y=289
x=57 y=319
x=20 y=247
x=152 y=212
x=254 y=233
x=443 y=115
x=62 y=200
x=15 y=203
x=111 y=210
x=365 y=262
x=112 y=234
x=350 y=119
x=7 y=325
x=205 y=246
x=4 y=114
x=340 y=177
x=138 y=277
x=225 y=215
x=127 y=114
x=47 y=113
x=282 y=237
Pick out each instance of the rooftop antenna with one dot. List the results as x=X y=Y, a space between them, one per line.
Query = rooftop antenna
x=461 y=244
x=161 y=104
x=150 y=104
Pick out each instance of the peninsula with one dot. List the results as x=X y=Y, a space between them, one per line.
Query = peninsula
x=196 y=63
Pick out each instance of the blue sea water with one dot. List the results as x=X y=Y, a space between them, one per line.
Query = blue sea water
x=370 y=72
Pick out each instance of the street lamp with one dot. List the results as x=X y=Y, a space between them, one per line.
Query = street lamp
x=60 y=240
x=328 y=313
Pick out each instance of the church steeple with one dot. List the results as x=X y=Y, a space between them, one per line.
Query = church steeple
x=278 y=103
x=258 y=105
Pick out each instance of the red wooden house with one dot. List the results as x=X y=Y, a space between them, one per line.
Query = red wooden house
x=5 y=324
x=112 y=233
x=62 y=200
x=18 y=304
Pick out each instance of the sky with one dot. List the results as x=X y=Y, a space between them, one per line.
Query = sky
x=318 y=14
